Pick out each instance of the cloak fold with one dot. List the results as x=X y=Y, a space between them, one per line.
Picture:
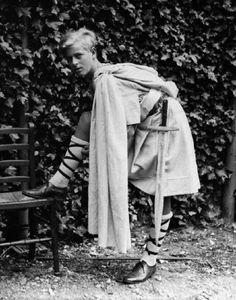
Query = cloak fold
x=116 y=105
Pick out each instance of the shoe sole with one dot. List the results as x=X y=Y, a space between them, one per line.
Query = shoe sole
x=41 y=197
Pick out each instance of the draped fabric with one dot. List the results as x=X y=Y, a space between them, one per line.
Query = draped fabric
x=116 y=105
x=181 y=175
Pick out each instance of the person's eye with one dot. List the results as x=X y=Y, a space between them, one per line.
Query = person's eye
x=78 y=56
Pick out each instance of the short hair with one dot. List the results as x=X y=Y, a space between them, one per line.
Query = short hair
x=86 y=38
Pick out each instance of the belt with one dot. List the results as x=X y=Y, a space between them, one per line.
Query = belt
x=158 y=105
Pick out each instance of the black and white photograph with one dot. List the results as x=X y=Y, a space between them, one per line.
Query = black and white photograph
x=117 y=150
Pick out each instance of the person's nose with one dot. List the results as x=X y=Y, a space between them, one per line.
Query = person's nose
x=74 y=61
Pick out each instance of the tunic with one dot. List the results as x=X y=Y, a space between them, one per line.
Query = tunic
x=125 y=96
x=181 y=176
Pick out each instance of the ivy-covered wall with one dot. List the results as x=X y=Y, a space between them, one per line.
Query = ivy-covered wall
x=188 y=41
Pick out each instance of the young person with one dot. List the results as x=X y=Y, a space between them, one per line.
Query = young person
x=126 y=96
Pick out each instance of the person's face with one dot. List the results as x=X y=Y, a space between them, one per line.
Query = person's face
x=82 y=60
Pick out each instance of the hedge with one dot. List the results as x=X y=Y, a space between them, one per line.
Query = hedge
x=190 y=42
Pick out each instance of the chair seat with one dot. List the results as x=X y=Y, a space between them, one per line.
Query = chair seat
x=22 y=226
x=16 y=200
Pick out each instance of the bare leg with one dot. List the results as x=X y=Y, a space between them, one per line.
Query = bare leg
x=146 y=267
x=152 y=248
x=167 y=205
x=83 y=128
x=75 y=152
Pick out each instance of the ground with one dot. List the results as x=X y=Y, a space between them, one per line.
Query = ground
x=202 y=266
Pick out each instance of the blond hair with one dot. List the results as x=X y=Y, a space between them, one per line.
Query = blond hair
x=84 y=37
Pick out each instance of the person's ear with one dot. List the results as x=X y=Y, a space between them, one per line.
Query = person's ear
x=93 y=51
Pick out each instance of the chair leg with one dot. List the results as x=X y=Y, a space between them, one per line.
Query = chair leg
x=33 y=232
x=54 y=229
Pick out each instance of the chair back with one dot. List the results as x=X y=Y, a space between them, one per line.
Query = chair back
x=17 y=166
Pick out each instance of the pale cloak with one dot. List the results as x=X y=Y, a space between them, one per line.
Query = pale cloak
x=116 y=105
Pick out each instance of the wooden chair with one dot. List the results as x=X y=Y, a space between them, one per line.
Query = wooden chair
x=21 y=161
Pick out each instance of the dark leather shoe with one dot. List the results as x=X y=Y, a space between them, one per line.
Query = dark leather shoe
x=141 y=272
x=45 y=191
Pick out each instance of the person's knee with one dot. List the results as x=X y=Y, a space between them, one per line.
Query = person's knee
x=85 y=119
x=83 y=127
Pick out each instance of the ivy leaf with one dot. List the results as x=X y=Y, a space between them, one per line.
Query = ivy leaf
x=64 y=16
x=54 y=25
x=194 y=58
x=233 y=62
x=122 y=47
x=192 y=213
x=22 y=72
x=9 y=102
x=179 y=60
x=23 y=11
x=165 y=56
x=222 y=174
x=5 y=46
x=212 y=76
